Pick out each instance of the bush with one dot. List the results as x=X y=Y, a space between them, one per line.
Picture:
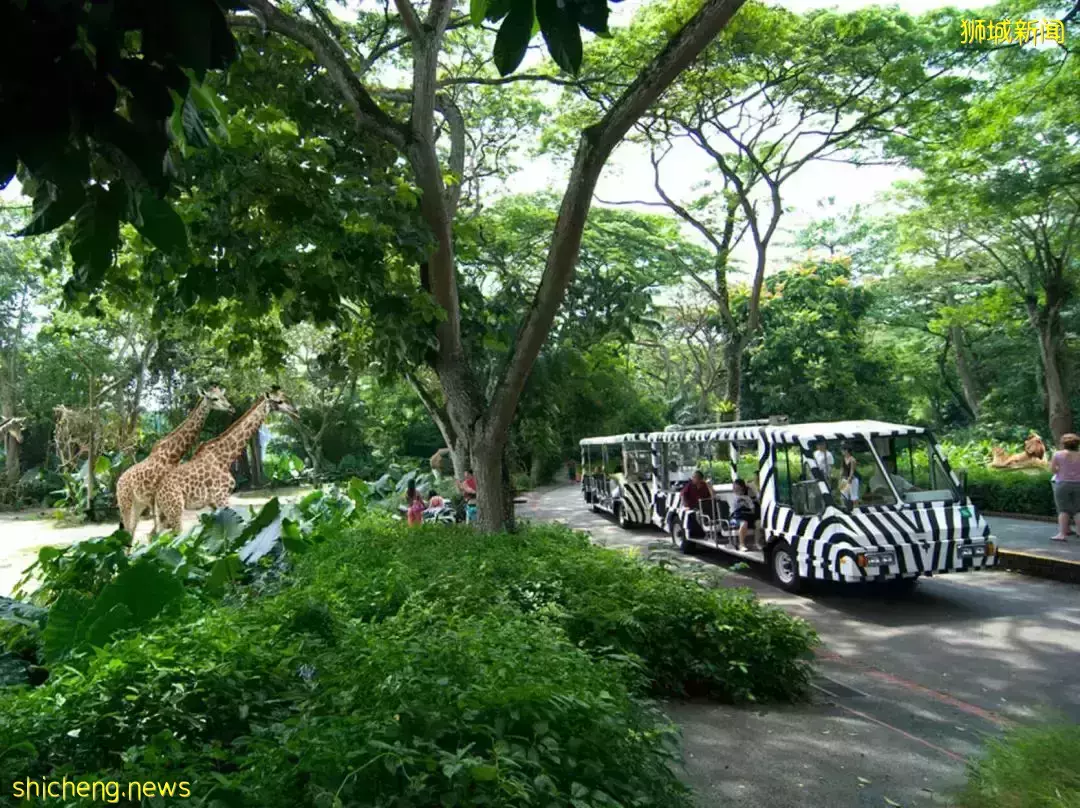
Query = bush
x=1030 y=768
x=1022 y=491
x=290 y=701
x=426 y=666
x=688 y=639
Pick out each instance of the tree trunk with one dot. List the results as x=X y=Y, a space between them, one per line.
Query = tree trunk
x=131 y=424
x=494 y=494
x=12 y=444
x=733 y=356
x=91 y=454
x=255 y=449
x=968 y=382
x=536 y=469
x=1051 y=351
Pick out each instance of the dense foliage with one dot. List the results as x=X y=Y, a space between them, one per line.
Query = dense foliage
x=302 y=234
x=364 y=660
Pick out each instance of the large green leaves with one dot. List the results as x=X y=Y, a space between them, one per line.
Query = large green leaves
x=513 y=38
x=561 y=34
x=160 y=224
x=87 y=89
x=131 y=600
x=559 y=20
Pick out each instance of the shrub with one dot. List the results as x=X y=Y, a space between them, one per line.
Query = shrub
x=1030 y=768
x=426 y=666
x=288 y=702
x=689 y=639
x=1025 y=492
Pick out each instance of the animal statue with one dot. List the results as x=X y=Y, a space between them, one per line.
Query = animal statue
x=206 y=479
x=13 y=426
x=1033 y=456
x=137 y=486
x=437 y=461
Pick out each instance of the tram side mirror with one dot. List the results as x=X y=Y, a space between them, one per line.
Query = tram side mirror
x=962 y=476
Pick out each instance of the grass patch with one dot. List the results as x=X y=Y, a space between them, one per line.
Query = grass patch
x=1030 y=768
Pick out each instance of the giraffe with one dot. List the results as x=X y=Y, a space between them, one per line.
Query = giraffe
x=205 y=479
x=136 y=487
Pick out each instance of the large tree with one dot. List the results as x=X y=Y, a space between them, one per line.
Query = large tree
x=480 y=419
x=777 y=92
x=1004 y=172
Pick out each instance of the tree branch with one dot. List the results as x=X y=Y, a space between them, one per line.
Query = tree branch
x=409 y=21
x=596 y=144
x=369 y=115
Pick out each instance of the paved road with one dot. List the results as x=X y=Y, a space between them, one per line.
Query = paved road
x=910 y=687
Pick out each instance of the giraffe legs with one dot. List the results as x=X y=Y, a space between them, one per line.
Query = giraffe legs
x=169 y=508
x=125 y=501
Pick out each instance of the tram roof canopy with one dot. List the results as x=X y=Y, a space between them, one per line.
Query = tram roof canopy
x=805 y=434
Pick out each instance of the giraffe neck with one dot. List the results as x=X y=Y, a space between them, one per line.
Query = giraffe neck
x=232 y=442
x=215 y=442
x=173 y=446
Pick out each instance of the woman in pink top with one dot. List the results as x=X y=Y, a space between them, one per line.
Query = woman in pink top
x=1066 y=468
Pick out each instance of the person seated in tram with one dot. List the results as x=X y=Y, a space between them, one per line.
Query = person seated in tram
x=745 y=513
x=695 y=491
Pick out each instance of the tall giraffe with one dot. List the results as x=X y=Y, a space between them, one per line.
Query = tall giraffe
x=205 y=480
x=137 y=486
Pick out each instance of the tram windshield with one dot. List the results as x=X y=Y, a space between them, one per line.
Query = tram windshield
x=908 y=465
x=916 y=470
x=637 y=462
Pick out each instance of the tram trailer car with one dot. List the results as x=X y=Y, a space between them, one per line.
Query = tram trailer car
x=847 y=501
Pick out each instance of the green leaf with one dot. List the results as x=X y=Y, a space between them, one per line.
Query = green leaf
x=484 y=773
x=59 y=206
x=562 y=35
x=61 y=630
x=497 y=9
x=25 y=614
x=477 y=10
x=103 y=628
x=12 y=669
x=102 y=465
x=265 y=540
x=224 y=570
x=160 y=224
x=144 y=588
x=513 y=38
x=592 y=15
x=194 y=130
x=266 y=515
x=97 y=235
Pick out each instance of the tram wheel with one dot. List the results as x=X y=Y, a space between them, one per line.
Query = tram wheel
x=785 y=569
x=678 y=538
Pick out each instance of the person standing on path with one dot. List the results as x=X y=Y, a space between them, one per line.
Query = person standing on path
x=1066 y=468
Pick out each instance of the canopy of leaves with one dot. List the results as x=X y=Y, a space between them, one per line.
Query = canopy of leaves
x=91 y=86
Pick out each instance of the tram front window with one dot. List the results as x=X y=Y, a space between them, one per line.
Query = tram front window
x=916 y=471
x=855 y=477
x=682 y=461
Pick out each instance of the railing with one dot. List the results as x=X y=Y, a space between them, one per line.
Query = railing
x=772 y=420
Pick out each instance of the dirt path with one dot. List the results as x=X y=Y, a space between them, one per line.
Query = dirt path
x=23 y=533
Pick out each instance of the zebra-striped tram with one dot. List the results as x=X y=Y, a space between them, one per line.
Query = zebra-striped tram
x=842 y=501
